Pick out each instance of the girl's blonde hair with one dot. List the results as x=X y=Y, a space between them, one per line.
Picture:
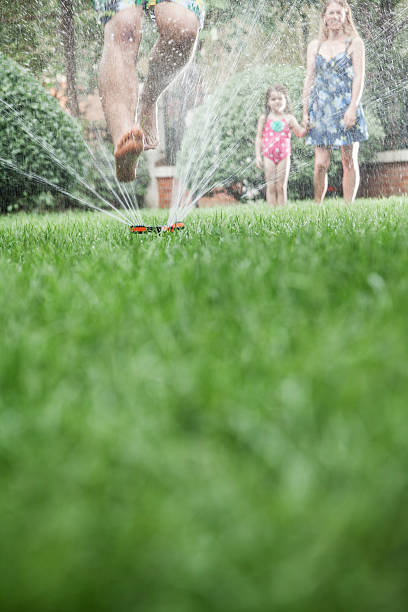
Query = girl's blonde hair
x=349 y=27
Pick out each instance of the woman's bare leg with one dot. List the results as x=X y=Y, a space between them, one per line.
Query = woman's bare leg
x=322 y=162
x=351 y=171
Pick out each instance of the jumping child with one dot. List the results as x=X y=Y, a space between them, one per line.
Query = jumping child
x=273 y=143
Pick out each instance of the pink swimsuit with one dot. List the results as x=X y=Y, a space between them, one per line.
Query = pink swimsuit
x=276 y=140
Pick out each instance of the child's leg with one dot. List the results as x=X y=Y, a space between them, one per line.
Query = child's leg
x=282 y=175
x=322 y=162
x=118 y=83
x=270 y=180
x=178 y=27
x=118 y=86
x=351 y=171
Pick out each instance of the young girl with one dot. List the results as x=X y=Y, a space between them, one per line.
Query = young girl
x=273 y=143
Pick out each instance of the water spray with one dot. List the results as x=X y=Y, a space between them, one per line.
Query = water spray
x=143 y=229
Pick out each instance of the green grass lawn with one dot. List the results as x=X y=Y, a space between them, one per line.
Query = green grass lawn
x=209 y=421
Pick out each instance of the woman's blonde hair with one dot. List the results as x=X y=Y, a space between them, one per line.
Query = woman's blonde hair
x=349 y=27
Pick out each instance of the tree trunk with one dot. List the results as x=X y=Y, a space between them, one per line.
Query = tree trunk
x=68 y=39
x=305 y=33
x=386 y=20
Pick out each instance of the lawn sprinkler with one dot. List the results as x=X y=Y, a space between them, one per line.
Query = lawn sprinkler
x=143 y=229
x=172 y=228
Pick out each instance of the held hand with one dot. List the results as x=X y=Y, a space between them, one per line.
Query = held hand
x=304 y=131
x=305 y=121
x=350 y=118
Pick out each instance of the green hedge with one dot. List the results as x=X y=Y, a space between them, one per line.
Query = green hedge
x=43 y=117
x=218 y=146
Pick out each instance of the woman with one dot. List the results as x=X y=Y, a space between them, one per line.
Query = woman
x=331 y=97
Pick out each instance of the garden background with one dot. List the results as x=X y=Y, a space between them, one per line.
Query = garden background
x=59 y=42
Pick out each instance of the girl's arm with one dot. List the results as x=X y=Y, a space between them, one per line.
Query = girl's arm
x=309 y=79
x=358 y=57
x=298 y=130
x=258 y=141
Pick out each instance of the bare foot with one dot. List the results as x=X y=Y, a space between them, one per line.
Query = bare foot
x=148 y=123
x=127 y=153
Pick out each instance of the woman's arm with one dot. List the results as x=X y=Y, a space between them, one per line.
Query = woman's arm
x=258 y=141
x=297 y=129
x=358 y=57
x=309 y=79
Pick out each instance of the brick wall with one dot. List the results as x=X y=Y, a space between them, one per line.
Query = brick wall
x=383 y=179
x=165 y=188
x=387 y=176
x=219 y=197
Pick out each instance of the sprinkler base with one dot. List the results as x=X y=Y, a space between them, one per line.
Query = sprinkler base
x=142 y=229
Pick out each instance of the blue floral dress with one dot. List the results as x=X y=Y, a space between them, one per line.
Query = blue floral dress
x=329 y=100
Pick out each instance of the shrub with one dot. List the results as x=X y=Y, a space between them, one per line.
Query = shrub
x=41 y=115
x=218 y=147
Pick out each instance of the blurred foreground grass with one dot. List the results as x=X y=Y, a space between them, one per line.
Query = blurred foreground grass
x=208 y=421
